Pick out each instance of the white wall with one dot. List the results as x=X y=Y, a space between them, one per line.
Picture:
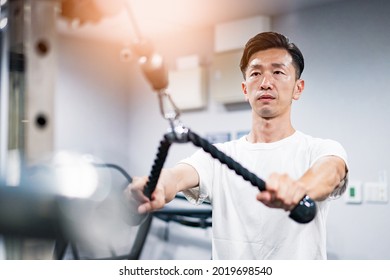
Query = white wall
x=113 y=113
x=91 y=102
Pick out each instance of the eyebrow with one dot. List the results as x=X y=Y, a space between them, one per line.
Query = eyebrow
x=276 y=65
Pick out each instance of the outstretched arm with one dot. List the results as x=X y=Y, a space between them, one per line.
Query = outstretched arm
x=171 y=181
x=318 y=183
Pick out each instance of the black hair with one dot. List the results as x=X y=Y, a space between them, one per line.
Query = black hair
x=268 y=40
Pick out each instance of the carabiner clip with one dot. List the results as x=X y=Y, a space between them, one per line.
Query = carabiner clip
x=176 y=132
x=168 y=108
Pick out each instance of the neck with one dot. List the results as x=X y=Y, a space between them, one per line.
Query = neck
x=270 y=130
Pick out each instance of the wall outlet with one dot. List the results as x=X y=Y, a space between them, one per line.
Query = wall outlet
x=353 y=193
x=376 y=192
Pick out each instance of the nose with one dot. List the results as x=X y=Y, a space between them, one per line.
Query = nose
x=266 y=82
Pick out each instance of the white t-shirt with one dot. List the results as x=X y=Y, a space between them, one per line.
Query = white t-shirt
x=244 y=228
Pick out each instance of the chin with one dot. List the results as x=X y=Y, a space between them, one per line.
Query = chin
x=266 y=114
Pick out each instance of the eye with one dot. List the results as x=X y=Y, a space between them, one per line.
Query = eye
x=278 y=72
x=255 y=73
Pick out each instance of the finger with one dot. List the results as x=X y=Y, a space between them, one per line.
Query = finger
x=299 y=193
x=286 y=192
x=157 y=202
x=284 y=184
x=276 y=186
x=139 y=196
x=279 y=188
x=158 y=198
x=140 y=182
x=136 y=188
x=272 y=183
x=264 y=197
x=145 y=208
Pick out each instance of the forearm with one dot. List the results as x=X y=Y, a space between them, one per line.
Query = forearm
x=177 y=179
x=323 y=177
x=170 y=182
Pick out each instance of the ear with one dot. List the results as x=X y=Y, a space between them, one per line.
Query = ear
x=299 y=87
x=244 y=91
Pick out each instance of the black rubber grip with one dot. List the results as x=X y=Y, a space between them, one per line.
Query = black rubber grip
x=157 y=166
x=305 y=211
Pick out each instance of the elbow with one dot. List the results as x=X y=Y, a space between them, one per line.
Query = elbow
x=336 y=182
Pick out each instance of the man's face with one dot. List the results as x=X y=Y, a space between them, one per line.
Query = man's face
x=270 y=83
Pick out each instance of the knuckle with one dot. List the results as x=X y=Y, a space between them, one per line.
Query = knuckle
x=284 y=176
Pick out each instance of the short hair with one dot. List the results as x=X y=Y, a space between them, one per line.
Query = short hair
x=268 y=40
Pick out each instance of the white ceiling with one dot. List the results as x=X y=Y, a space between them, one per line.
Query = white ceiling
x=157 y=17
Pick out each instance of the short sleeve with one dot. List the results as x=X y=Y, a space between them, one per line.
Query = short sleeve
x=203 y=164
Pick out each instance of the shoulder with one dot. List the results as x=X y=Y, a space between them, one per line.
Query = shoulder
x=319 y=147
x=312 y=141
x=229 y=143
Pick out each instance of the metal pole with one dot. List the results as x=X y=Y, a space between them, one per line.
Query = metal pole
x=4 y=89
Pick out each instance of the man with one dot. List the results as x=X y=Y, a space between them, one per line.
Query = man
x=248 y=224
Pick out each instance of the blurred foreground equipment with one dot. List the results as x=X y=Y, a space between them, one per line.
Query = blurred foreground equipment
x=28 y=50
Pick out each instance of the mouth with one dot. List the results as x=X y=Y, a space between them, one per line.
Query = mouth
x=266 y=97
